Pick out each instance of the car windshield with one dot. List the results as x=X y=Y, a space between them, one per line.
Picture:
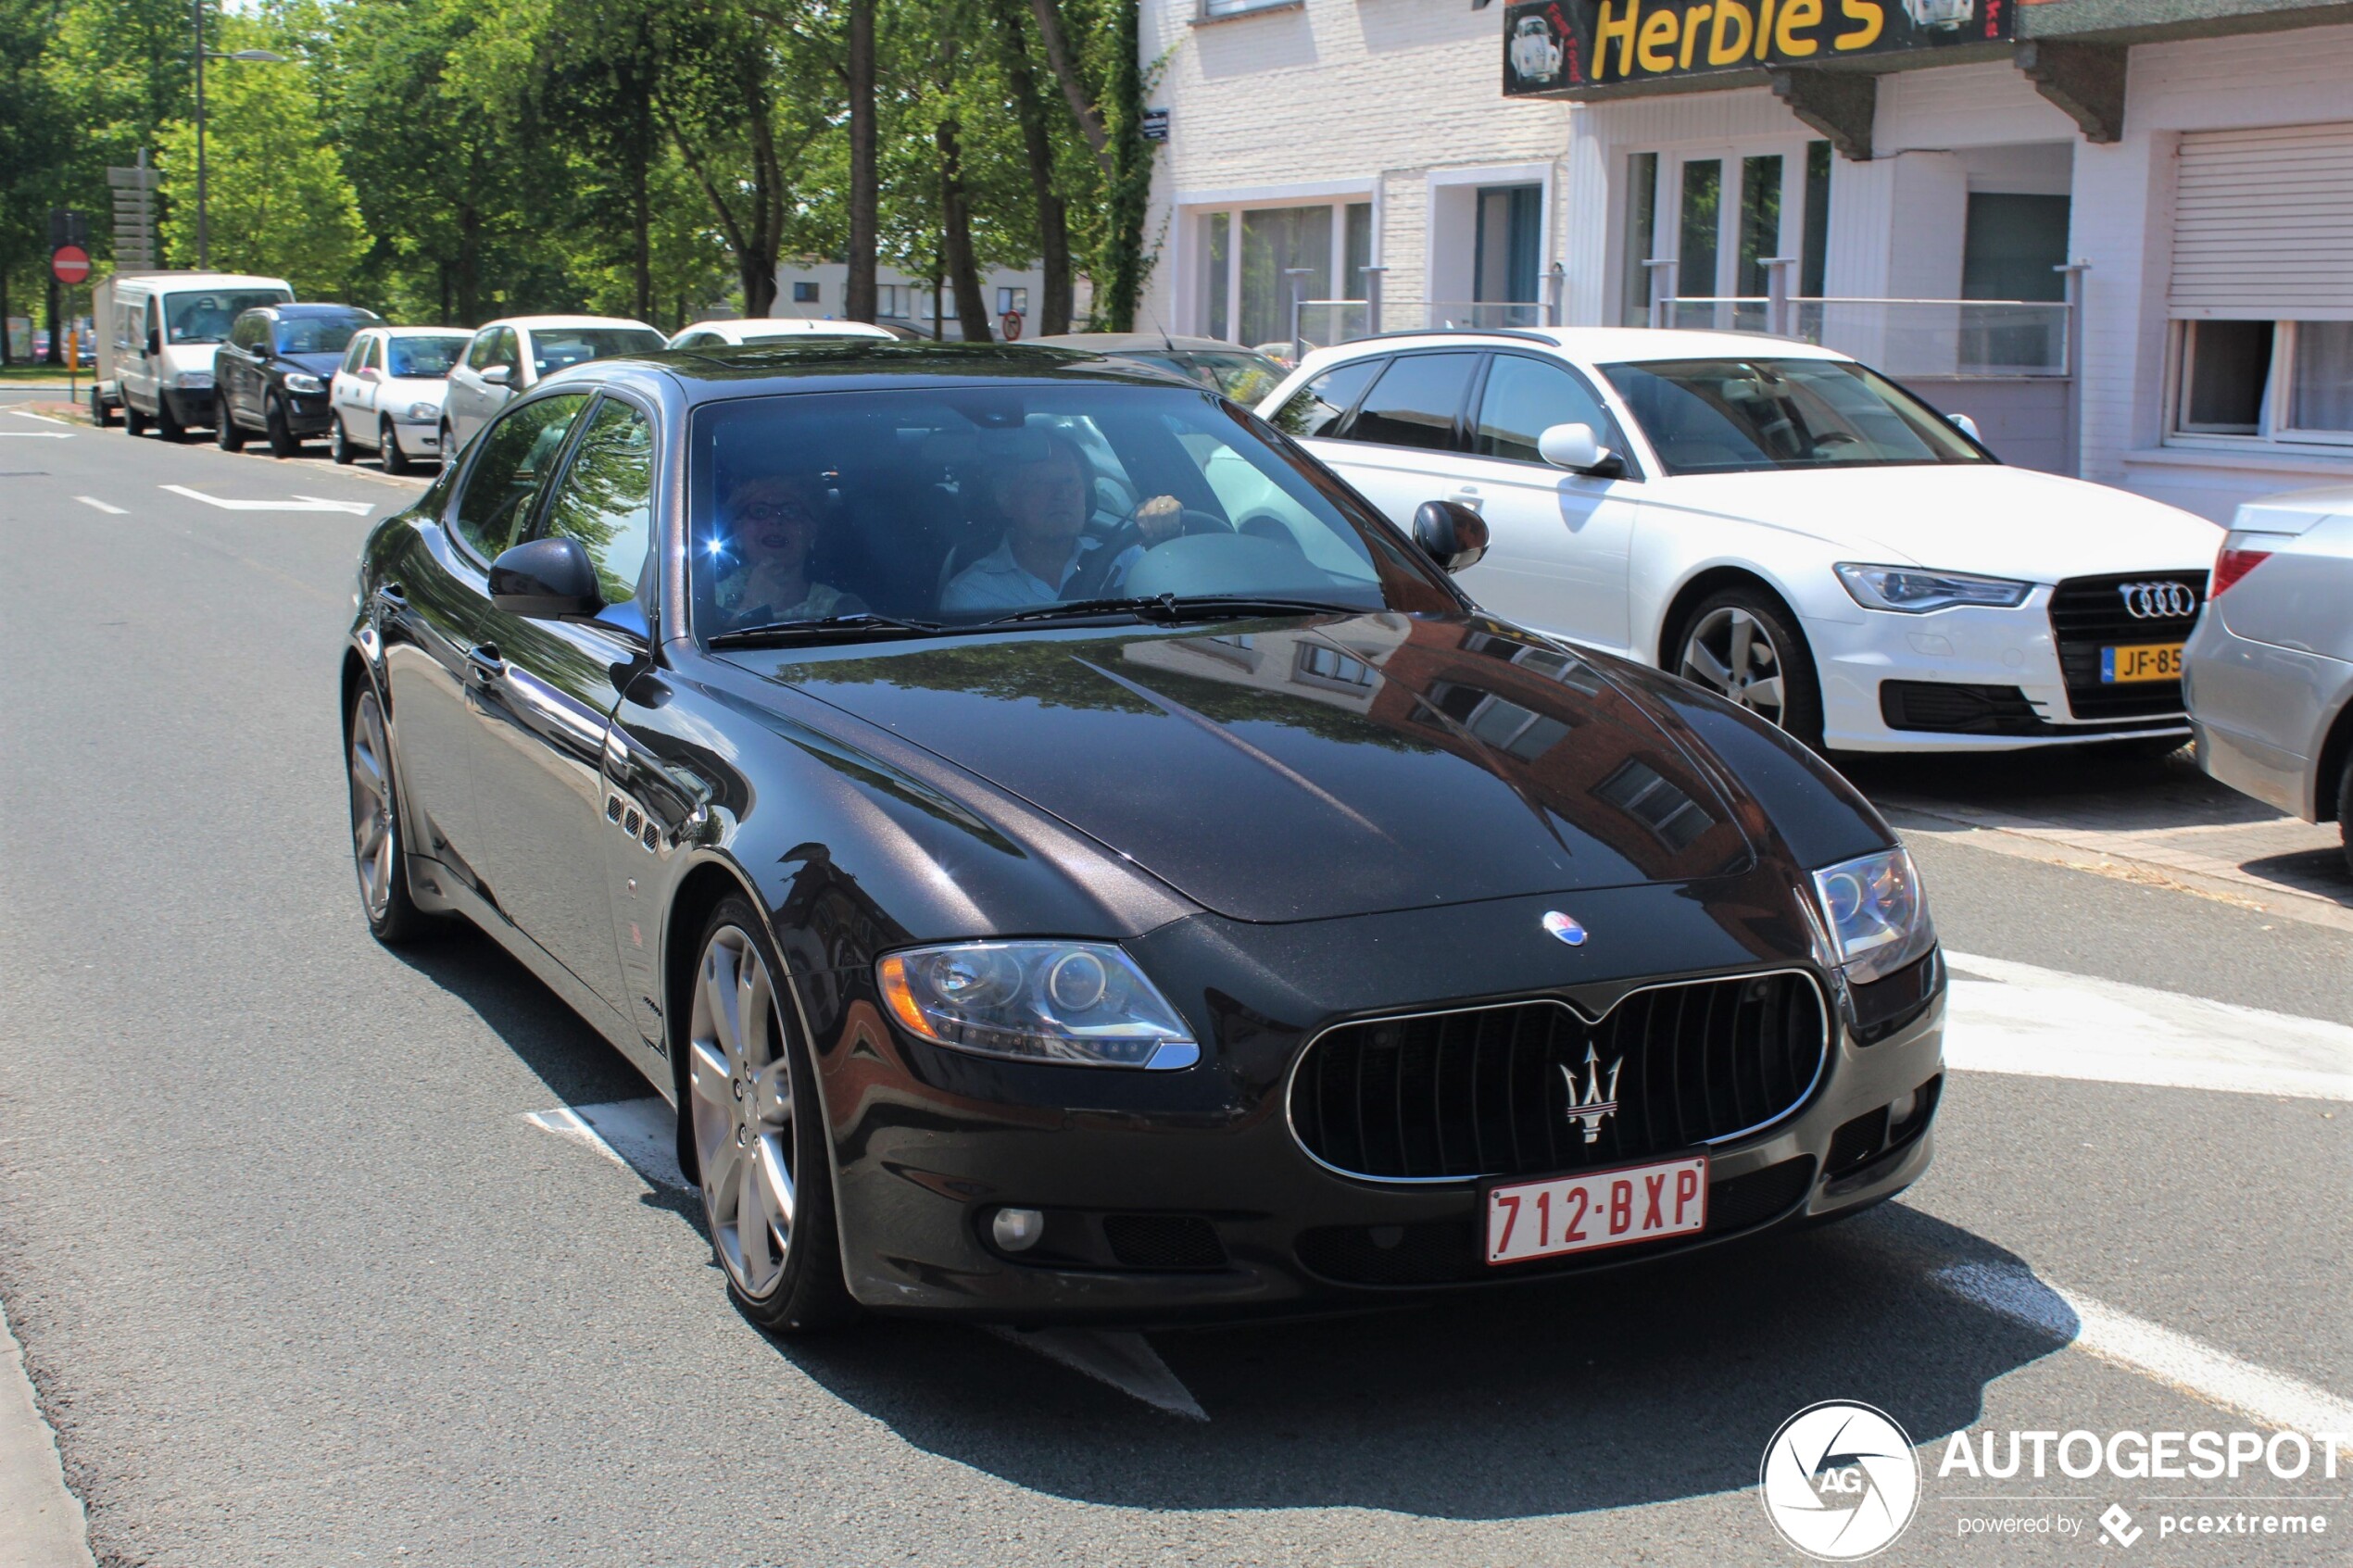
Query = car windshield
x=552 y=348
x=205 y=315
x=1742 y=416
x=426 y=358
x=964 y=506
x=317 y=334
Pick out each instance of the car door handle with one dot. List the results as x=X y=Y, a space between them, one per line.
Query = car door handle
x=1469 y=496
x=486 y=664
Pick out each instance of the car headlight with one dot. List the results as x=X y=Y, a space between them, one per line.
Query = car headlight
x=192 y=381
x=1877 y=918
x=1910 y=591
x=299 y=380
x=424 y=413
x=1078 y=1003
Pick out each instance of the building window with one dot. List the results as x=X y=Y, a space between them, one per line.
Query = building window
x=1246 y=253
x=2287 y=383
x=1720 y=214
x=1012 y=302
x=891 y=300
x=1813 y=250
x=804 y=294
x=1211 y=10
x=1641 y=217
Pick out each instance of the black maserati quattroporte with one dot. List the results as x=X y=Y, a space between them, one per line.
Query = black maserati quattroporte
x=1068 y=858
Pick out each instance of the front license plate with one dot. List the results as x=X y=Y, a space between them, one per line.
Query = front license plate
x=1599 y=1209
x=2141 y=661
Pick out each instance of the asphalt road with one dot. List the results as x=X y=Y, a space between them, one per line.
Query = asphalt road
x=298 y=1280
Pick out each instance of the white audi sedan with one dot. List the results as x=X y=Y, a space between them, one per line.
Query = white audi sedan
x=387 y=395
x=1779 y=522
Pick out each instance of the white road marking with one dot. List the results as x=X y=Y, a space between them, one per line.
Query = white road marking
x=2008 y=1017
x=2269 y=1398
x=641 y=1135
x=299 y=504
x=94 y=501
x=39 y=435
x=29 y=414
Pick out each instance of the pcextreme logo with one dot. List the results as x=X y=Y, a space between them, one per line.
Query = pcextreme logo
x=1840 y=1480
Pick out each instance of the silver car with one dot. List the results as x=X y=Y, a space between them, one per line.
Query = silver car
x=2268 y=672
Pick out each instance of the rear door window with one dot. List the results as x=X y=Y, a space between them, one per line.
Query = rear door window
x=1416 y=402
x=1317 y=408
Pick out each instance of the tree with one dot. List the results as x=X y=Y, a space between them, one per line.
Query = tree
x=863 y=191
x=1056 y=307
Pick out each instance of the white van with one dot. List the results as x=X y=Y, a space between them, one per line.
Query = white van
x=156 y=331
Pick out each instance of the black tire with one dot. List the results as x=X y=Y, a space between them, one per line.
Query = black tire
x=227 y=434
x=102 y=413
x=392 y=916
x=167 y=425
x=338 y=444
x=282 y=440
x=1799 y=710
x=807 y=1293
x=388 y=448
x=2345 y=814
x=132 y=419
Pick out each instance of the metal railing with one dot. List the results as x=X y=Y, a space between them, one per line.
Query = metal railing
x=1958 y=338
x=1318 y=323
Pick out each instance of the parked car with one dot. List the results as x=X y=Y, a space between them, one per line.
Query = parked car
x=766 y=329
x=387 y=395
x=511 y=356
x=1243 y=374
x=1778 y=522
x=272 y=375
x=1017 y=957
x=157 y=336
x=2270 y=669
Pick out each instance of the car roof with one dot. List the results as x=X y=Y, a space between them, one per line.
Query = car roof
x=295 y=311
x=1600 y=344
x=788 y=326
x=390 y=331
x=858 y=364
x=173 y=282
x=532 y=322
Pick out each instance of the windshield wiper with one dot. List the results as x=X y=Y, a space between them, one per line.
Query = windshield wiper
x=1170 y=608
x=864 y=622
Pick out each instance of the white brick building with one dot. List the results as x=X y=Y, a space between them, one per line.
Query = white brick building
x=2201 y=175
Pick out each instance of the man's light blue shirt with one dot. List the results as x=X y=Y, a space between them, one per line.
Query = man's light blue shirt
x=998 y=581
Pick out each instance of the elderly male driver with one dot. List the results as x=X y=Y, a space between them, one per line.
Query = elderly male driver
x=1047 y=496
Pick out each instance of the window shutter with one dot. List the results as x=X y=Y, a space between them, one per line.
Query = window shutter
x=2263 y=223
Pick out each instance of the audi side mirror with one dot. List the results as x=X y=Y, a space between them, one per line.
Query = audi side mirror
x=546 y=580
x=496 y=375
x=1450 y=533
x=1577 y=448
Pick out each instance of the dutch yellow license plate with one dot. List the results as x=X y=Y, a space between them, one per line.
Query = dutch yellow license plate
x=2141 y=661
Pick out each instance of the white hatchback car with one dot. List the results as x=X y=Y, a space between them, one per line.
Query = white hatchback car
x=512 y=355
x=1776 y=521
x=768 y=329
x=387 y=395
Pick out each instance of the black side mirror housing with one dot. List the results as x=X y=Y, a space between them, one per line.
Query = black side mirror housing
x=1450 y=533
x=546 y=580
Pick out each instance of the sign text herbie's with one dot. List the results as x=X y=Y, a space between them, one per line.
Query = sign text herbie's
x=1554 y=45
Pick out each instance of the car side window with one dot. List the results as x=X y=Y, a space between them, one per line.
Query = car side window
x=506 y=353
x=478 y=351
x=248 y=331
x=1416 y=402
x=356 y=358
x=1319 y=408
x=1525 y=397
x=605 y=498
x=517 y=454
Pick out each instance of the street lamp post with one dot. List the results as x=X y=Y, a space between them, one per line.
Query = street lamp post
x=264 y=56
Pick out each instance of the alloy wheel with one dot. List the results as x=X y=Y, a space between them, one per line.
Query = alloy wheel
x=371 y=825
x=1733 y=652
x=740 y=1080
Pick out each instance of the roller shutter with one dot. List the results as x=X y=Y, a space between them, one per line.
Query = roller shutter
x=2263 y=223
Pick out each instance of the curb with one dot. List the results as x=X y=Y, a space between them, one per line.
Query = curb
x=40 y=1521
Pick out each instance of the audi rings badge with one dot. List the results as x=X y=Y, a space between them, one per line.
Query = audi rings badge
x=2157 y=601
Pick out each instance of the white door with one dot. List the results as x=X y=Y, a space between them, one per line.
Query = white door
x=1558 y=542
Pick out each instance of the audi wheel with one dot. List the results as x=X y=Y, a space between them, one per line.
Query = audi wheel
x=1744 y=644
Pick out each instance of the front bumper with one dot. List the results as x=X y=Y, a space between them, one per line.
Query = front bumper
x=190 y=406
x=1998 y=672
x=929 y=1143
x=308 y=413
x=418 y=440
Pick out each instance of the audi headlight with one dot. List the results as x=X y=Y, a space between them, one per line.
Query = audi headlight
x=1877 y=918
x=424 y=413
x=302 y=380
x=1909 y=590
x=1079 y=1003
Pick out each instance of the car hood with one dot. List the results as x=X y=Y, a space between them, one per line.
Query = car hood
x=1289 y=771
x=2000 y=521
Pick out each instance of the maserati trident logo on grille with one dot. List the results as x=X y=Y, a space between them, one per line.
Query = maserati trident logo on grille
x=1590 y=1106
x=1565 y=927
x=2157 y=601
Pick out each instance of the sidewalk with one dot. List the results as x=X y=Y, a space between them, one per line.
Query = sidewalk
x=41 y=1523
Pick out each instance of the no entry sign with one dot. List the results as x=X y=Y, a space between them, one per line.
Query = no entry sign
x=69 y=264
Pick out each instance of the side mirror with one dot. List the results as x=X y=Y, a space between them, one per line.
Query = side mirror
x=546 y=580
x=1450 y=533
x=497 y=375
x=1577 y=448
x=1967 y=426
x=155 y=345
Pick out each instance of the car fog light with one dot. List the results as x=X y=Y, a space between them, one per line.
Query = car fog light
x=1016 y=1230
x=1899 y=1109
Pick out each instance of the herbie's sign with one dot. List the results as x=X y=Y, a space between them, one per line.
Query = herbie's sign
x=1554 y=46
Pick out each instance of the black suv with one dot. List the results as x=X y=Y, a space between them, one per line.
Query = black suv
x=272 y=375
